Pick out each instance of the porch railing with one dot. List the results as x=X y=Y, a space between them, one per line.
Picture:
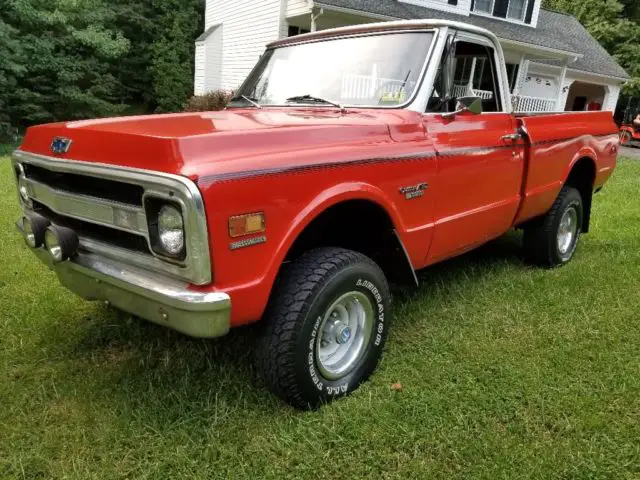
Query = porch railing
x=465 y=91
x=361 y=87
x=523 y=103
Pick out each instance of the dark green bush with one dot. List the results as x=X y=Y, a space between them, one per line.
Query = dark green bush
x=208 y=102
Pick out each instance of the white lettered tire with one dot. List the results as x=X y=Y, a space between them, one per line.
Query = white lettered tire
x=325 y=326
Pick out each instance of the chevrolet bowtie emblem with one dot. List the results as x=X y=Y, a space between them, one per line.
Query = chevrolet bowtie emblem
x=60 y=145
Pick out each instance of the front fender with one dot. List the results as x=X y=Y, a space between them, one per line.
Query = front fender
x=249 y=273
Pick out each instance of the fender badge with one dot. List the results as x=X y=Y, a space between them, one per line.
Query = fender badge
x=248 y=242
x=60 y=145
x=414 y=191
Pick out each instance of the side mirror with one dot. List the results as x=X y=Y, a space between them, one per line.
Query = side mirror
x=466 y=104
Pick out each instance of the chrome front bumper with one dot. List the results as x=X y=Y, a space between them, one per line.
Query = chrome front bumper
x=142 y=293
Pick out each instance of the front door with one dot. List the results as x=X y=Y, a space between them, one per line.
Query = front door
x=480 y=163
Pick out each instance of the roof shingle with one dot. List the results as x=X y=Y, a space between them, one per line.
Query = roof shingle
x=554 y=30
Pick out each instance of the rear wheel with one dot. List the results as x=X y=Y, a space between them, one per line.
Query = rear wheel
x=325 y=326
x=551 y=241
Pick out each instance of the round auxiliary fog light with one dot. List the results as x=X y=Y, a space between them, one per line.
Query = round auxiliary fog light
x=34 y=228
x=60 y=242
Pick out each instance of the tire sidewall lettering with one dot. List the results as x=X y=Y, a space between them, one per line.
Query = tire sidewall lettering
x=366 y=284
x=380 y=311
x=315 y=376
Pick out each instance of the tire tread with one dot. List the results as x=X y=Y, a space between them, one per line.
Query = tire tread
x=292 y=295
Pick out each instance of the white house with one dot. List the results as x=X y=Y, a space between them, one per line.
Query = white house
x=553 y=62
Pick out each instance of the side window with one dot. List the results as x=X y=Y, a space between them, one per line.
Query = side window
x=474 y=75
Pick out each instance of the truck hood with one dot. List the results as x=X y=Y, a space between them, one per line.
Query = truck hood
x=222 y=142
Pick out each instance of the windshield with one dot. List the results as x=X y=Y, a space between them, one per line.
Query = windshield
x=373 y=70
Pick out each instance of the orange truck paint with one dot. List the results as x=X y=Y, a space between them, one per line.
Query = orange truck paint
x=293 y=163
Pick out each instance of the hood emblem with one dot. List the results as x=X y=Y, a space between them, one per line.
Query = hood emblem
x=60 y=145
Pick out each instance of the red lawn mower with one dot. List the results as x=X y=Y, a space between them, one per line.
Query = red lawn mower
x=629 y=136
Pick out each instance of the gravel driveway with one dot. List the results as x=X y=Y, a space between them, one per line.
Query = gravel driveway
x=630 y=152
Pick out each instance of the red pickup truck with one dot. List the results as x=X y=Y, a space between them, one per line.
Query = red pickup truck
x=348 y=159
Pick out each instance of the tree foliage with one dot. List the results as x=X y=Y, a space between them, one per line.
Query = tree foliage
x=616 y=25
x=72 y=59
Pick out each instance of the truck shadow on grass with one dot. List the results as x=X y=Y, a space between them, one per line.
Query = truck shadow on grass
x=144 y=367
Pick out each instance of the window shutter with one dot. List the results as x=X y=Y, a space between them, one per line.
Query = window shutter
x=500 y=8
x=529 y=15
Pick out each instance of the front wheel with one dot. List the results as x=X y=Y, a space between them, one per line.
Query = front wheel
x=551 y=241
x=325 y=326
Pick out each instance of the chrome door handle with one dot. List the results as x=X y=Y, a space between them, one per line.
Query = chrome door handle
x=511 y=138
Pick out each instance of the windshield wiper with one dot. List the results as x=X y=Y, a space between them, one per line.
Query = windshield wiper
x=251 y=100
x=311 y=99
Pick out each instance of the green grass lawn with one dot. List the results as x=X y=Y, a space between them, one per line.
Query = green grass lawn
x=508 y=371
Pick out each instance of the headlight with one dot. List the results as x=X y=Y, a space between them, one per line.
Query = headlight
x=171 y=230
x=23 y=189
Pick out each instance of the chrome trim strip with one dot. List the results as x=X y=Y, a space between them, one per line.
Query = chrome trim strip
x=197 y=265
x=83 y=207
x=131 y=257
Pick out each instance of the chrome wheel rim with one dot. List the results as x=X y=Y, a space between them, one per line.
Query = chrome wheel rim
x=567 y=230
x=343 y=335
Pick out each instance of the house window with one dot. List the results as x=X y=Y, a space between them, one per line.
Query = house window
x=293 y=31
x=519 y=10
x=483 y=6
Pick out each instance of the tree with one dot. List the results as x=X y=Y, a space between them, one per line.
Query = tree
x=66 y=47
x=616 y=25
x=178 y=23
x=11 y=69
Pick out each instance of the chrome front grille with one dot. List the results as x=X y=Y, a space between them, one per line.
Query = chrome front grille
x=105 y=205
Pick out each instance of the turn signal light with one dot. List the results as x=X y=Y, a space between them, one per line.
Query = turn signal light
x=246 y=224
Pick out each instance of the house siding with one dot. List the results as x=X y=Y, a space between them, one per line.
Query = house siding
x=248 y=25
x=213 y=63
x=612 y=99
x=198 y=83
x=298 y=7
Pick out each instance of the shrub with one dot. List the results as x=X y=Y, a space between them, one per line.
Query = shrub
x=210 y=101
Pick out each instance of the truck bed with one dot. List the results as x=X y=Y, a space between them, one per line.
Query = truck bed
x=555 y=143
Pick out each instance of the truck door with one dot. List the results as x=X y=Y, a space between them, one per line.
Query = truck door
x=480 y=158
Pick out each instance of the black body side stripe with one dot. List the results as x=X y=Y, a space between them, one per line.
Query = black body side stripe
x=208 y=180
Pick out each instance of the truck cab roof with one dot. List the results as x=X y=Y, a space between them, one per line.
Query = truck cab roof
x=421 y=24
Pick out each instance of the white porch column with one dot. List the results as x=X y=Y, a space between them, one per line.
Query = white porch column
x=523 y=70
x=471 y=75
x=314 y=19
x=561 y=99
